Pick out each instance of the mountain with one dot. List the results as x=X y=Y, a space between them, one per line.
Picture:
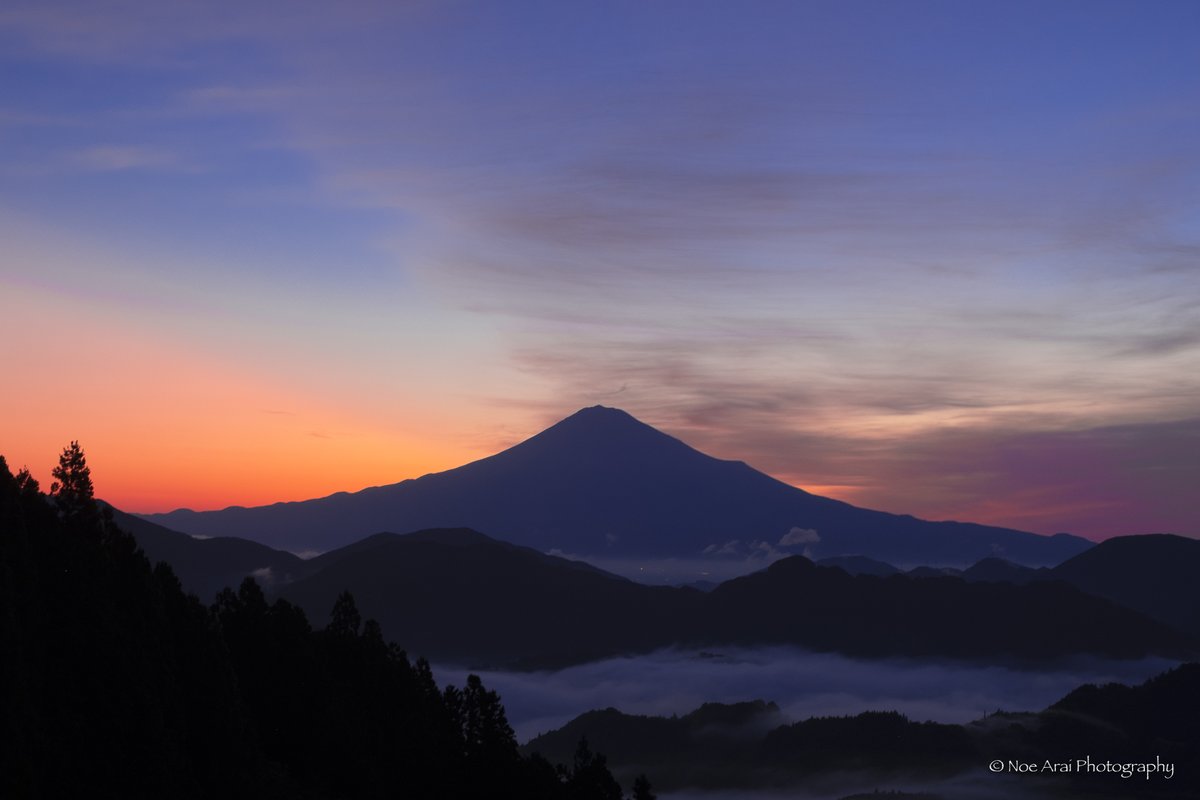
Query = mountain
x=1154 y=574
x=1000 y=571
x=690 y=752
x=934 y=572
x=602 y=484
x=864 y=615
x=706 y=747
x=457 y=595
x=859 y=565
x=206 y=566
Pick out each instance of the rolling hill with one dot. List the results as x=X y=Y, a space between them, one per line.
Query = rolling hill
x=457 y=595
x=206 y=566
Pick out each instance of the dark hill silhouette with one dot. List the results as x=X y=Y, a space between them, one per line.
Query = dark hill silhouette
x=1155 y=574
x=1001 y=571
x=115 y=683
x=601 y=483
x=934 y=572
x=708 y=747
x=206 y=566
x=859 y=565
x=458 y=595
x=871 y=616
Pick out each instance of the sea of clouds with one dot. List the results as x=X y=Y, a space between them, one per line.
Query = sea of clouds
x=803 y=683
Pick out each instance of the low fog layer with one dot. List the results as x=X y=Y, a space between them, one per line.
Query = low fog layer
x=804 y=685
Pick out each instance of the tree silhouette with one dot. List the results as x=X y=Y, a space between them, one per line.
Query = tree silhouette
x=72 y=476
x=345 y=619
x=642 y=790
x=485 y=730
x=26 y=484
x=72 y=488
x=242 y=698
x=589 y=778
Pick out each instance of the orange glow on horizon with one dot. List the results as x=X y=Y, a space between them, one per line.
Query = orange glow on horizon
x=165 y=427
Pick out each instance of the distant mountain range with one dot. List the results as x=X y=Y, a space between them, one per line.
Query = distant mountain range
x=484 y=589
x=1154 y=574
x=457 y=595
x=602 y=485
x=206 y=566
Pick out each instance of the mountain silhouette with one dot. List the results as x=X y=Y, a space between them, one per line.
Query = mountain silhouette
x=1150 y=573
x=206 y=566
x=859 y=565
x=602 y=484
x=998 y=570
x=865 y=615
x=455 y=594
x=1154 y=574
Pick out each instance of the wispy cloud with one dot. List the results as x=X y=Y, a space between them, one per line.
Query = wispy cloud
x=801 y=238
x=116 y=158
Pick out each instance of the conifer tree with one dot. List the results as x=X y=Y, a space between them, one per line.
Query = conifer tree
x=72 y=487
x=642 y=790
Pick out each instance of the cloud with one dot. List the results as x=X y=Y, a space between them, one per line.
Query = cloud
x=797 y=536
x=846 y=272
x=1097 y=482
x=731 y=548
x=117 y=158
x=803 y=684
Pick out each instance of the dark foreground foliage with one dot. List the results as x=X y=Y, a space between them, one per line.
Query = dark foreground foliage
x=114 y=682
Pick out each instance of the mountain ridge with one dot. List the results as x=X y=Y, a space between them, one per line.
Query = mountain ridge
x=475 y=601
x=601 y=483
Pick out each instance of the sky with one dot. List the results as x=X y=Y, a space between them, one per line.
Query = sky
x=935 y=258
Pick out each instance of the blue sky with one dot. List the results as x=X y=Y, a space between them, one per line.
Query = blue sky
x=936 y=258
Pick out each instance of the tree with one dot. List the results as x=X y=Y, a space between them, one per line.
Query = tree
x=642 y=790
x=345 y=619
x=485 y=727
x=72 y=487
x=590 y=778
x=26 y=483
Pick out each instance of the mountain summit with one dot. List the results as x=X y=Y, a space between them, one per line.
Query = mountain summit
x=600 y=483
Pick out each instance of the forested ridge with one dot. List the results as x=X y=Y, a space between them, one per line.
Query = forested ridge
x=114 y=682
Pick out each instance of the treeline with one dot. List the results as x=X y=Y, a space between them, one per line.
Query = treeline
x=114 y=682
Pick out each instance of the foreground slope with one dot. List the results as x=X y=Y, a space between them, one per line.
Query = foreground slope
x=115 y=683
x=602 y=484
